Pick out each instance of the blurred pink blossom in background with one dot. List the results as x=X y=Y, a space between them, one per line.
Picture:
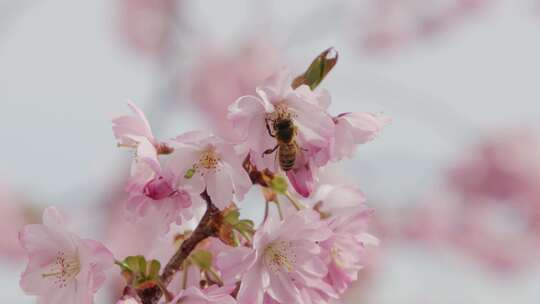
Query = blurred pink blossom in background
x=390 y=24
x=146 y=24
x=233 y=72
x=489 y=209
x=498 y=182
x=14 y=214
x=503 y=167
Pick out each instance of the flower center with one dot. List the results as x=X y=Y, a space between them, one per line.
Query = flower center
x=281 y=112
x=280 y=255
x=209 y=159
x=158 y=189
x=63 y=269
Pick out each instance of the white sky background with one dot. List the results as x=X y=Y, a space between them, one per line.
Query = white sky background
x=63 y=74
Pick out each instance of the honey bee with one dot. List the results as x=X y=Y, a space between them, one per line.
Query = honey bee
x=285 y=133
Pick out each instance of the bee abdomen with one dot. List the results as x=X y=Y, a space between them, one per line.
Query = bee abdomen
x=287 y=156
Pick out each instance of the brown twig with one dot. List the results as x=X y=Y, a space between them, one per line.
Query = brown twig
x=207 y=227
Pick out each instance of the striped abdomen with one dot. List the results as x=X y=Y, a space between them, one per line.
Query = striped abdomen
x=287 y=155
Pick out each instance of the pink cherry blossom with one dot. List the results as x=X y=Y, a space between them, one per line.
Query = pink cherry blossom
x=345 y=249
x=251 y=115
x=232 y=73
x=210 y=295
x=135 y=132
x=173 y=201
x=347 y=216
x=276 y=98
x=155 y=186
x=205 y=162
x=62 y=267
x=152 y=185
x=284 y=261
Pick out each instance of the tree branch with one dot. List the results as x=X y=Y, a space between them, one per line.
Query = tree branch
x=207 y=227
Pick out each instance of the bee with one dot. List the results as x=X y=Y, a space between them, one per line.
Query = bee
x=285 y=134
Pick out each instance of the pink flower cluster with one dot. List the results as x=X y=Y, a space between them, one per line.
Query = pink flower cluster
x=308 y=252
x=497 y=181
x=320 y=137
x=490 y=209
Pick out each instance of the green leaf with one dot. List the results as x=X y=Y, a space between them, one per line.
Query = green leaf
x=232 y=217
x=139 y=270
x=279 y=184
x=142 y=267
x=317 y=71
x=134 y=263
x=153 y=272
x=202 y=258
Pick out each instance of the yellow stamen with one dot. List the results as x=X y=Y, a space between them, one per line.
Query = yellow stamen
x=279 y=255
x=209 y=159
x=63 y=269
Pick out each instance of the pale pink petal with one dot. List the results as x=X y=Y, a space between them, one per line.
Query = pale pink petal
x=353 y=129
x=232 y=164
x=283 y=289
x=366 y=126
x=126 y=126
x=96 y=254
x=251 y=288
x=220 y=188
x=302 y=179
x=315 y=126
x=235 y=261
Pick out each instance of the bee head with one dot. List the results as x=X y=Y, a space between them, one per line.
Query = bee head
x=283 y=124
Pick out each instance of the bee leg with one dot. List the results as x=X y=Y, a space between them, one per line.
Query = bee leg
x=268 y=128
x=270 y=151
